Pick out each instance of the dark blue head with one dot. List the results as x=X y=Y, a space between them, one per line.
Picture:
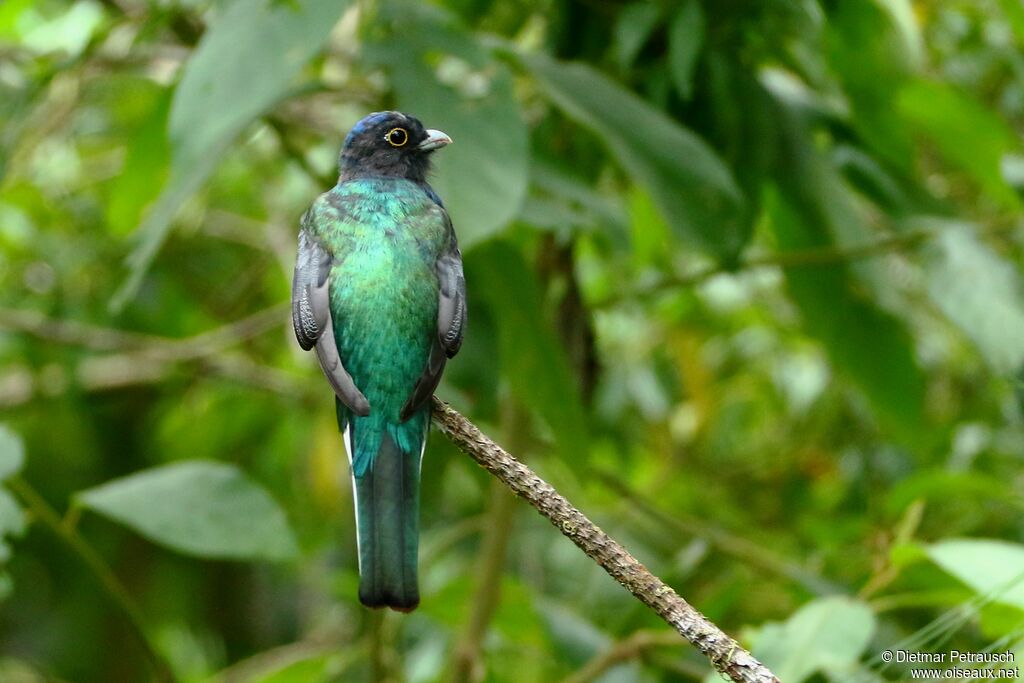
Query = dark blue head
x=392 y=144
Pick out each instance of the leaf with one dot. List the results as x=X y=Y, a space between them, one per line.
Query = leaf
x=1014 y=12
x=443 y=75
x=980 y=292
x=946 y=488
x=691 y=186
x=244 y=64
x=901 y=13
x=633 y=29
x=145 y=169
x=685 y=40
x=200 y=508
x=993 y=569
x=964 y=132
x=870 y=347
x=533 y=361
x=826 y=635
x=12 y=453
x=871 y=49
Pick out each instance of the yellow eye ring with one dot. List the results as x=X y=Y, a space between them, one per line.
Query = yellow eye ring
x=397 y=137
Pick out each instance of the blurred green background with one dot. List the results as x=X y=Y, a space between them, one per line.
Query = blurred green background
x=744 y=285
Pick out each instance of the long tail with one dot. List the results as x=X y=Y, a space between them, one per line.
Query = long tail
x=386 y=486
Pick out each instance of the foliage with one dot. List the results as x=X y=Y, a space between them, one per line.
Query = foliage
x=745 y=285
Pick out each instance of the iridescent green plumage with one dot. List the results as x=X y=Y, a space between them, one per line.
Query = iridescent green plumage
x=379 y=292
x=390 y=234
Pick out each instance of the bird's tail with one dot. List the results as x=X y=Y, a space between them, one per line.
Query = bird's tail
x=386 y=487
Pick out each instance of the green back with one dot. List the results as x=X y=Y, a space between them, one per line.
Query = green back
x=386 y=235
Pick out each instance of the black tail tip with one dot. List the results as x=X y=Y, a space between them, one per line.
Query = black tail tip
x=398 y=603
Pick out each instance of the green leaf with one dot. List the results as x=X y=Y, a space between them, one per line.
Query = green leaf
x=993 y=569
x=1014 y=12
x=826 y=635
x=443 y=75
x=200 y=508
x=145 y=169
x=870 y=347
x=12 y=453
x=244 y=64
x=870 y=49
x=685 y=40
x=633 y=29
x=533 y=361
x=947 y=488
x=980 y=292
x=964 y=132
x=691 y=186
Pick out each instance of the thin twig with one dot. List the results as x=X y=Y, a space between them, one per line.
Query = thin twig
x=281 y=128
x=799 y=258
x=143 y=358
x=623 y=651
x=725 y=654
x=493 y=550
x=163 y=348
x=739 y=547
x=488 y=590
x=111 y=586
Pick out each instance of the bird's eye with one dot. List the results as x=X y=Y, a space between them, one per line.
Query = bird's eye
x=397 y=137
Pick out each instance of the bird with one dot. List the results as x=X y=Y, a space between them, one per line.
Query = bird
x=379 y=292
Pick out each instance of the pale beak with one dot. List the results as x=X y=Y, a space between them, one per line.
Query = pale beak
x=435 y=140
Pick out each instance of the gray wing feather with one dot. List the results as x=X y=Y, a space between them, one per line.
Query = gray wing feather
x=451 y=320
x=451 y=309
x=311 y=319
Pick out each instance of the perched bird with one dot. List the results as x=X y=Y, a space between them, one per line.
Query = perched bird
x=379 y=292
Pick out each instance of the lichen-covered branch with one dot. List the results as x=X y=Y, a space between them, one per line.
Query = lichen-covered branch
x=725 y=654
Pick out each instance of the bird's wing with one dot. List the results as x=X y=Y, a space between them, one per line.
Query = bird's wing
x=311 y=316
x=451 y=320
x=451 y=307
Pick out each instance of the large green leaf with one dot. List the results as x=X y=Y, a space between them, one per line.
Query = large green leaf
x=691 y=186
x=685 y=40
x=12 y=453
x=965 y=133
x=826 y=635
x=993 y=569
x=872 y=348
x=246 y=61
x=533 y=361
x=443 y=76
x=980 y=292
x=201 y=508
x=145 y=168
x=871 y=51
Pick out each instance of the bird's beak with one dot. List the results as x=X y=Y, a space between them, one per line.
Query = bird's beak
x=435 y=140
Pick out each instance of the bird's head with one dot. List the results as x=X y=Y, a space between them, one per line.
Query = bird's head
x=389 y=143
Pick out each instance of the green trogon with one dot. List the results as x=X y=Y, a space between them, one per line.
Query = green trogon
x=379 y=292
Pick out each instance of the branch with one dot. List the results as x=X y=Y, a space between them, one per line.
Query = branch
x=725 y=654
x=98 y=338
x=488 y=590
x=798 y=258
x=288 y=146
x=491 y=567
x=623 y=651
x=739 y=547
x=111 y=586
x=142 y=358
